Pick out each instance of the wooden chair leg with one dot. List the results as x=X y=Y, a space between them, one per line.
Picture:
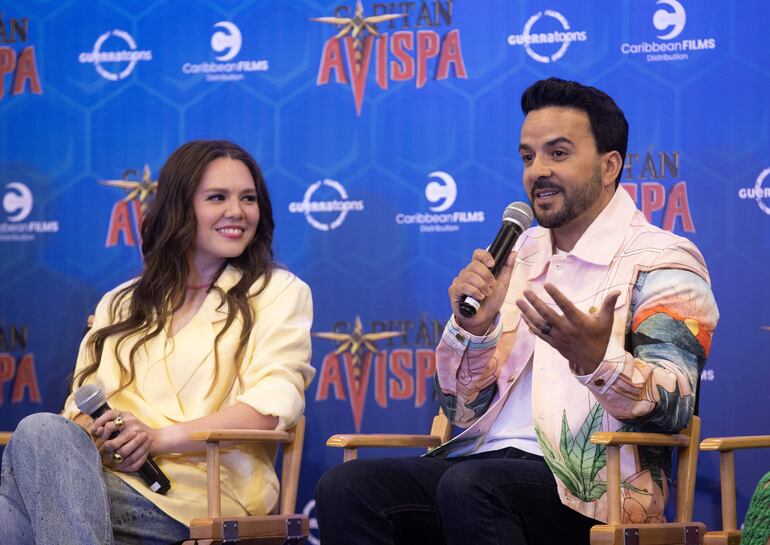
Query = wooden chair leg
x=212 y=462
x=727 y=482
x=613 y=485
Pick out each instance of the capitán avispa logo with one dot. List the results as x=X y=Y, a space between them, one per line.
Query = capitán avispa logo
x=386 y=41
x=20 y=64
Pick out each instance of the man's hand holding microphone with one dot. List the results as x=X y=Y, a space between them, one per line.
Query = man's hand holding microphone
x=487 y=276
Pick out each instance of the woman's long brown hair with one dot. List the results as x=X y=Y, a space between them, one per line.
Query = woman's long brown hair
x=168 y=233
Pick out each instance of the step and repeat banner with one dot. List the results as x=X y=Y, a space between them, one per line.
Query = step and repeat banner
x=388 y=134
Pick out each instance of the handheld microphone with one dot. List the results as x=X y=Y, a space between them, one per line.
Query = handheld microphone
x=517 y=217
x=91 y=401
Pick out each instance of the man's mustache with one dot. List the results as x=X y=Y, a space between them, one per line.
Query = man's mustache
x=544 y=184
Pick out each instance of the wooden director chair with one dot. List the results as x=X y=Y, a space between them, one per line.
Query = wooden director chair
x=682 y=531
x=282 y=528
x=729 y=534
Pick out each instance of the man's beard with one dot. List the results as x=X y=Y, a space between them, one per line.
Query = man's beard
x=575 y=203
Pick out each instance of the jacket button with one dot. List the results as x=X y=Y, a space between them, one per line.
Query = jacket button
x=599 y=382
x=460 y=337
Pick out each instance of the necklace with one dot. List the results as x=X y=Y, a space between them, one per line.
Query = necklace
x=198 y=286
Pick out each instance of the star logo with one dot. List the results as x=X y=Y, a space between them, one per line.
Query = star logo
x=357 y=343
x=356 y=26
x=136 y=190
x=357 y=34
x=358 y=350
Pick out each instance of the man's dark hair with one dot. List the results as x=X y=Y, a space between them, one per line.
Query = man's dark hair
x=608 y=124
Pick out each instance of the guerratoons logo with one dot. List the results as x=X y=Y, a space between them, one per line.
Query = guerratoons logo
x=328 y=210
x=551 y=38
x=441 y=191
x=128 y=212
x=670 y=19
x=401 y=56
x=21 y=64
x=758 y=192
x=110 y=57
x=17 y=203
x=226 y=43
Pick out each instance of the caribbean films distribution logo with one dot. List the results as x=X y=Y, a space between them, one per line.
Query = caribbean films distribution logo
x=17 y=365
x=393 y=358
x=547 y=36
x=226 y=43
x=669 y=20
x=364 y=43
x=127 y=213
x=653 y=180
x=19 y=64
x=17 y=205
x=441 y=193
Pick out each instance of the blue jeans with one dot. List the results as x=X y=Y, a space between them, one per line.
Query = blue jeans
x=503 y=497
x=54 y=491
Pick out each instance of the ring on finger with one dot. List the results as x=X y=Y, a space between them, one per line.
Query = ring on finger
x=116 y=457
x=546 y=329
x=119 y=421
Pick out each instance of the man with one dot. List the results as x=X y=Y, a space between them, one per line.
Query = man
x=598 y=321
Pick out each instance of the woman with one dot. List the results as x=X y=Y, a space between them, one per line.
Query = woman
x=211 y=335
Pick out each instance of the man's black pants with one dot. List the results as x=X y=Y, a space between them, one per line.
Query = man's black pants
x=505 y=497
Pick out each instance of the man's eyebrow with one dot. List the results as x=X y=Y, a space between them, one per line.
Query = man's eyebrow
x=550 y=143
x=559 y=140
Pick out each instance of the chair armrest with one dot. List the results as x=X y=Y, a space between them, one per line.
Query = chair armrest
x=382 y=440
x=242 y=436
x=731 y=443
x=618 y=438
x=5 y=436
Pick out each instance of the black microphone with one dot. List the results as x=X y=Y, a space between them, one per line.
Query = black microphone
x=517 y=217
x=91 y=401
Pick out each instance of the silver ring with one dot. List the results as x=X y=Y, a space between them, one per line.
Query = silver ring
x=546 y=329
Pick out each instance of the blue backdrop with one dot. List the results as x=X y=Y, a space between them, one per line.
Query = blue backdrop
x=389 y=157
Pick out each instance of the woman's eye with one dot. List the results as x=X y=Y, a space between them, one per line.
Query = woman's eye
x=250 y=198
x=215 y=197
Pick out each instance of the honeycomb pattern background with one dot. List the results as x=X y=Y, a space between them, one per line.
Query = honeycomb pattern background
x=711 y=109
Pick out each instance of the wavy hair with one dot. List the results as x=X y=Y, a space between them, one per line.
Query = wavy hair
x=168 y=233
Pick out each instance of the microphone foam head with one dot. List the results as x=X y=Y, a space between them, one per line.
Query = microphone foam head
x=88 y=398
x=520 y=213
